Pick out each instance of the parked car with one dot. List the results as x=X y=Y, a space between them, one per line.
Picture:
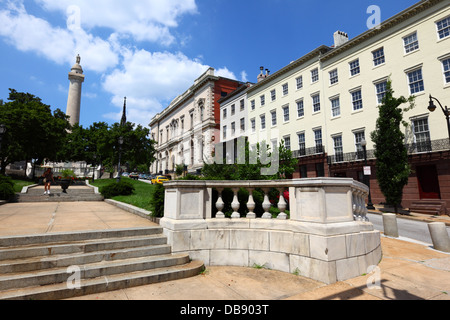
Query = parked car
x=134 y=175
x=161 y=179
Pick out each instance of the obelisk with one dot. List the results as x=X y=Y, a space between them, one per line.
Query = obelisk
x=76 y=78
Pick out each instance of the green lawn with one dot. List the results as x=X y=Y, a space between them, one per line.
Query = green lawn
x=19 y=184
x=141 y=197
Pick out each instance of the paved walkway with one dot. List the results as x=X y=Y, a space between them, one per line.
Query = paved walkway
x=407 y=271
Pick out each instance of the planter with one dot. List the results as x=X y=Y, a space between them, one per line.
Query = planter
x=65 y=183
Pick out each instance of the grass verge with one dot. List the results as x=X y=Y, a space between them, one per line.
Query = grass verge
x=19 y=184
x=140 y=198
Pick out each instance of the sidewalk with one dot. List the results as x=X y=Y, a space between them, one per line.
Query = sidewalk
x=418 y=216
x=407 y=271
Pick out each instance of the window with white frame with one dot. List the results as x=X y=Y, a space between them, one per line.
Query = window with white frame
x=411 y=43
x=299 y=82
x=233 y=110
x=274 y=118
x=357 y=100
x=443 y=28
x=335 y=107
x=253 y=105
x=318 y=140
x=415 y=81
x=381 y=88
x=242 y=104
x=302 y=143
x=263 y=100
x=316 y=102
x=334 y=78
x=225 y=111
x=224 y=131
x=446 y=66
x=378 y=57
x=242 y=125
x=338 y=148
x=273 y=94
x=360 y=136
x=263 y=122
x=315 y=75
x=300 y=109
x=286 y=115
x=287 y=142
x=354 y=67
x=253 y=124
x=285 y=89
x=422 y=135
x=233 y=129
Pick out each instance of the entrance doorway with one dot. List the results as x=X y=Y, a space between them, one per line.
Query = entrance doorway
x=428 y=182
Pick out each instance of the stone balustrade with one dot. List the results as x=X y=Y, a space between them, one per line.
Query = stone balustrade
x=326 y=236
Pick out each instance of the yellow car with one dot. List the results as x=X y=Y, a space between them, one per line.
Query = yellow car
x=160 y=179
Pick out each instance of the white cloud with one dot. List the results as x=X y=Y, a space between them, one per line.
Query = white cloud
x=29 y=33
x=224 y=72
x=145 y=20
x=150 y=81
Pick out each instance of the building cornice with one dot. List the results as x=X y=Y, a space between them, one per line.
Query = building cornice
x=390 y=23
x=315 y=53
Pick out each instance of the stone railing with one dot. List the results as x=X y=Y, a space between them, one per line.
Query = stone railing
x=326 y=236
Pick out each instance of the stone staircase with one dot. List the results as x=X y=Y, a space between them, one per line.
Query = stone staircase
x=430 y=206
x=74 y=194
x=65 y=265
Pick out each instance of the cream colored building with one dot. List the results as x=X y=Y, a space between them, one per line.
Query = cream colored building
x=188 y=128
x=325 y=103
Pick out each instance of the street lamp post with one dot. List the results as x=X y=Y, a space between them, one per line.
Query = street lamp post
x=119 y=174
x=367 y=177
x=432 y=107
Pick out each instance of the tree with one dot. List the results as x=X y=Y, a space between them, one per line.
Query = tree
x=393 y=169
x=33 y=131
x=287 y=162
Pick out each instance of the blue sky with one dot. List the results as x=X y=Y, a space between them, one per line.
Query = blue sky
x=152 y=50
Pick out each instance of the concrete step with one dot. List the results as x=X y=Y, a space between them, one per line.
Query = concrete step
x=58 y=197
x=40 y=266
x=8 y=255
x=90 y=271
x=15 y=241
x=56 y=261
x=429 y=206
x=105 y=283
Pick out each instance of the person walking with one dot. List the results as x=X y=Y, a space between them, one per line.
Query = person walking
x=48 y=178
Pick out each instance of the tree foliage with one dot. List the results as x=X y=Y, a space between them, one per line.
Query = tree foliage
x=393 y=169
x=33 y=132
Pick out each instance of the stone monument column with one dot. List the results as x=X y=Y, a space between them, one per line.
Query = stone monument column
x=76 y=78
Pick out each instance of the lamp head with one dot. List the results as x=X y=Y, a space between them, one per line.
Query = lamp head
x=432 y=106
x=363 y=143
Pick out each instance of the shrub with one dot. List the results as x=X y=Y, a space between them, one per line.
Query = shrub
x=157 y=201
x=6 y=188
x=122 y=188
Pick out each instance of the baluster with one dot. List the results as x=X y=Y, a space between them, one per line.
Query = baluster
x=282 y=205
x=266 y=205
x=220 y=205
x=235 y=205
x=354 y=205
x=251 y=205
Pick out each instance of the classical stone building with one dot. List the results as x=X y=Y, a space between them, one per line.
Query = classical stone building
x=324 y=104
x=188 y=128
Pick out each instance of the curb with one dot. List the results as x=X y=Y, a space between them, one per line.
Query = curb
x=132 y=209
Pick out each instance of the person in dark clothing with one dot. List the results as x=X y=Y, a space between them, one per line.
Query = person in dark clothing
x=48 y=179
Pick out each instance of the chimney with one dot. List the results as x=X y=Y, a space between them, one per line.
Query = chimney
x=267 y=73
x=261 y=76
x=340 y=38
